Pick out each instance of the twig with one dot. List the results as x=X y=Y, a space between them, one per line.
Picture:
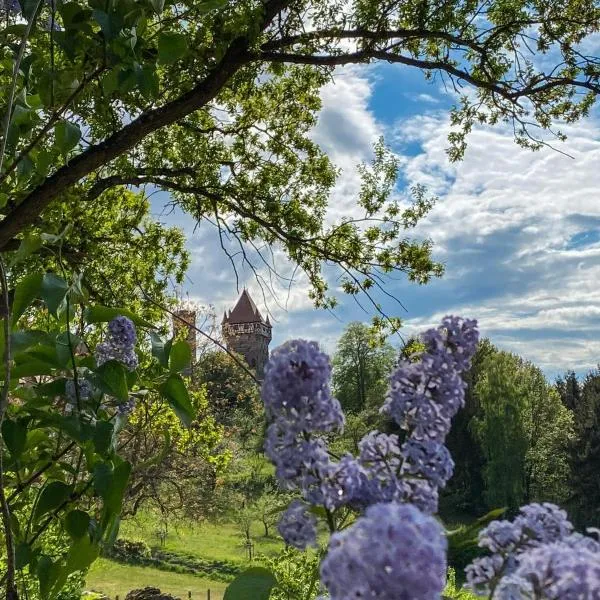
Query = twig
x=11 y=588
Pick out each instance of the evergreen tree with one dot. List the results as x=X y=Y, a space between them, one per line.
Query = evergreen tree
x=569 y=390
x=585 y=454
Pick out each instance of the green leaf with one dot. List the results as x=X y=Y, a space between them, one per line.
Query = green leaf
x=52 y=496
x=112 y=530
x=113 y=497
x=112 y=379
x=104 y=314
x=103 y=435
x=23 y=340
x=67 y=136
x=176 y=394
x=77 y=523
x=23 y=555
x=180 y=356
x=254 y=584
x=53 y=291
x=82 y=554
x=27 y=290
x=210 y=5
x=47 y=572
x=14 y=434
x=63 y=351
x=158 y=6
x=110 y=82
x=147 y=80
x=160 y=349
x=110 y=24
x=171 y=47
x=103 y=474
x=30 y=243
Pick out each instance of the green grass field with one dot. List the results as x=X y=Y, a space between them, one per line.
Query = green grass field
x=216 y=542
x=113 y=579
x=207 y=541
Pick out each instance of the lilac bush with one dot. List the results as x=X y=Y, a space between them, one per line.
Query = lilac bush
x=385 y=542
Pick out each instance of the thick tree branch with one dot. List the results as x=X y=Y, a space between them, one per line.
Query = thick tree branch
x=130 y=135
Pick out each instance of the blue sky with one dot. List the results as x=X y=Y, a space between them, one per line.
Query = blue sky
x=518 y=231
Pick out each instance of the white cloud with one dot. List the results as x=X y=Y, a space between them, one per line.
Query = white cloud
x=503 y=226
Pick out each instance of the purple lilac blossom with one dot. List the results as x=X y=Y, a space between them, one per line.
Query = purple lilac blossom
x=543 y=523
x=554 y=571
x=121 y=331
x=425 y=395
x=535 y=526
x=394 y=552
x=340 y=483
x=119 y=344
x=84 y=387
x=428 y=459
x=297 y=460
x=126 y=408
x=296 y=388
x=297 y=526
x=10 y=6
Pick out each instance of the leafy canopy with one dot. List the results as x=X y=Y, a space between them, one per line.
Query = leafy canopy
x=187 y=97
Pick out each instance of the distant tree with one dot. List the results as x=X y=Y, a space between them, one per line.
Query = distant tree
x=269 y=506
x=548 y=462
x=228 y=386
x=524 y=430
x=465 y=490
x=501 y=429
x=585 y=454
x=361 y=366
x=569 y=390
x=175 y=468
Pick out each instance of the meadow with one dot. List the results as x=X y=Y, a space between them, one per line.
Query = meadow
x=216 y=547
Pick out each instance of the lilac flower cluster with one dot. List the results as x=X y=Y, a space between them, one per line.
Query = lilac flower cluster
x=426 y=394
x=10 y=6
x=126 y=408
x=298 y=400
x=84 y=387
x=536 y=555
x=297 y=526
x=119 y=344
x=423 y=397
x=393 y=552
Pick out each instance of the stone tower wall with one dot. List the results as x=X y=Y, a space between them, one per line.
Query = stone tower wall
x=251 y=340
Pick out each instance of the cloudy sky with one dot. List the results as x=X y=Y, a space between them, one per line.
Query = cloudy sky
x=518 y=231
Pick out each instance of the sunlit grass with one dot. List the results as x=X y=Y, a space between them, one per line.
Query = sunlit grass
x=114 y=579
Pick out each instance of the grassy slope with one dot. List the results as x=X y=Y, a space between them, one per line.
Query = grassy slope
x=114 y=579
x=213 y=542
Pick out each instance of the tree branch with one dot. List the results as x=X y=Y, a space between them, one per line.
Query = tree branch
x=101 y=154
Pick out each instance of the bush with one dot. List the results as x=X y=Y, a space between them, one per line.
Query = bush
x=129 y=551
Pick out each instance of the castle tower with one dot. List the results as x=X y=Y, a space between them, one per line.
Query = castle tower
x=247 y=333
x=186 y=312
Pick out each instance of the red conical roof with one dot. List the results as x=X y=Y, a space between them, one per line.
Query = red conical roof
x=245 y=311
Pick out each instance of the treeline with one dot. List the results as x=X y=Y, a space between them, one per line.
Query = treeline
x=523 y=439
x=519 y=438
